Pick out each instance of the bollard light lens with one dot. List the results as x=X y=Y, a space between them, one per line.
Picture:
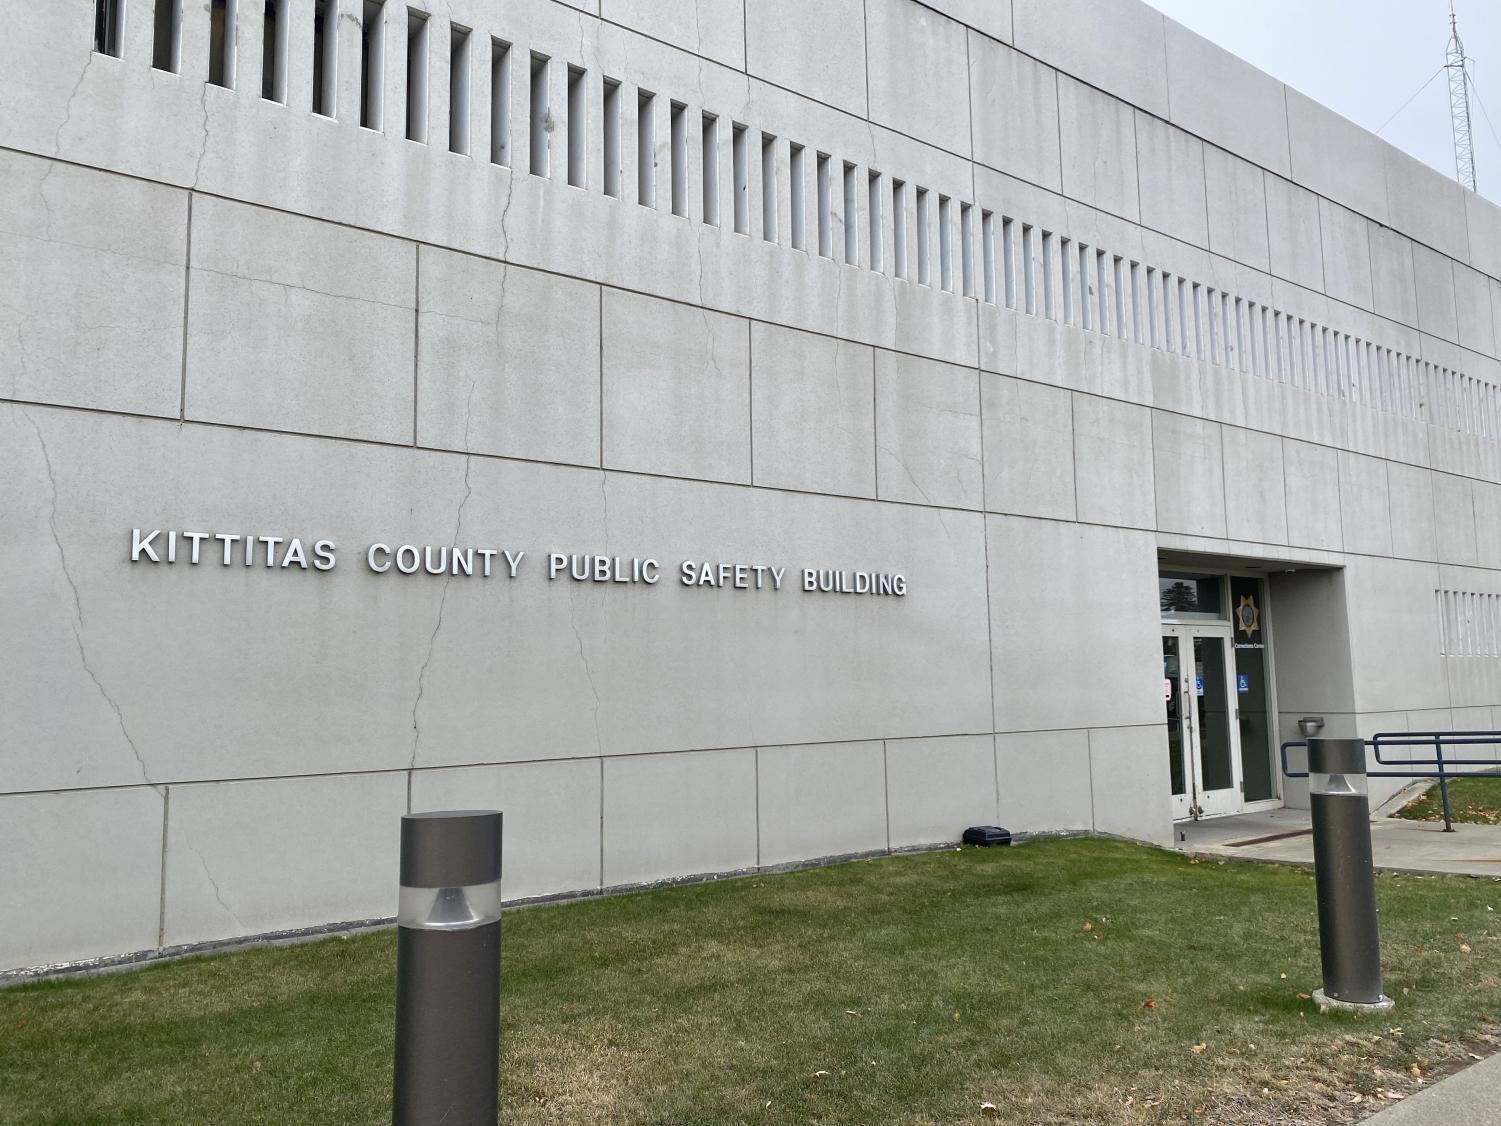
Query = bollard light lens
x=450 y=908
x=1338 y=785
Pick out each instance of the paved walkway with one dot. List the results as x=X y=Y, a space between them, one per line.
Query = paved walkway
x=1283 y=836
x=1470 y=1098
x=1473 y=1096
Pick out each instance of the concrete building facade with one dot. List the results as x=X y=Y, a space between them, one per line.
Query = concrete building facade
x=718 y=434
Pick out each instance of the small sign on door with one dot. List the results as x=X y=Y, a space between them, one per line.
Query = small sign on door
x=1198 y=686
x=1243 y=683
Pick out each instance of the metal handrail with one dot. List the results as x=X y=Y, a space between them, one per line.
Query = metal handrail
x=1438 y=766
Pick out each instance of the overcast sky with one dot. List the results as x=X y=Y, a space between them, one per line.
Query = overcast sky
x=1364 y=58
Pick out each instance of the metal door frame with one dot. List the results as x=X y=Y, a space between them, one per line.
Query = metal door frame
x=1222 y=803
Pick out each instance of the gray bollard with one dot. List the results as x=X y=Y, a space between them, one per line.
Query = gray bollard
x=1349 y=945
x=448 y=970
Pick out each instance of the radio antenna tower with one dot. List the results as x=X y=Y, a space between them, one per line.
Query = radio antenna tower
x=1459 y=105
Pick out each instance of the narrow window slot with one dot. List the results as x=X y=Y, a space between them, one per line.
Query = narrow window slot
x=578 y=128
x=458 y=89
x=108 y=18
x=678 y=129
x=1049 y=305
x=1008 y=260
x=646 y=148
x=1066 y=259
x=166 y=37
x=1198 y=337
x=1029 y=273
x=276 y=28
x=967 y=247
x=610 y=117
x=876 y=224
x=711 y=169
x=946 y=243
x=538 y=116
x=1244 y=339
x=325 y=57
x=417 y=76
x=1216 y=335
x=987 y=254
x=500 y=102
x=1154 y=335
x=1184 y=320
x=797 y=195
x=223 y=16
x=372 y=63
x=924 y=239
x=899 y=228
x=768 y=187
x=1118 y=277
x=1086 y=287
x=1167 y=313
x=740 y=167
x=851 y=217
x=1102 y=293
x=825 y=206
x=1135 y=271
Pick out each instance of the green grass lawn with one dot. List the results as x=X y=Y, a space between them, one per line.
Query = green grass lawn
x=1064 y=981
x=1472 y=801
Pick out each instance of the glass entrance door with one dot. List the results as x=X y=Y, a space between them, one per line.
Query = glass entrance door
x=1202 y=724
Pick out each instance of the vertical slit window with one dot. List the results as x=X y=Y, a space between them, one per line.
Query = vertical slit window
x=875 y=224
x=1029 y=274
x=325 y=57
x=166 y=36
x=851 y=217
x=987 y=255
x=946 y=243
x=276 y=26
x=967 y=248
x=1102 y=293
x=1136 y=333
x=740 y=169
x=924 y=243
x=610 y=117
x=1086 y=287
x=1118 y=278
x=458 y=90
x=1154 y=335
x=107 y=20
x=372 y=63
x=537 y=117
x=825 y=206
x=768 y=187
x=578 y=128
x=899 y=228
x=1167 y=312
x=500 y=102
x=797 y=195
x=710 y=185
x=223 y=15
x=417 y=76
x=678 y=128
x=1008 y=260
x=1066 y=259
x=1049 y=248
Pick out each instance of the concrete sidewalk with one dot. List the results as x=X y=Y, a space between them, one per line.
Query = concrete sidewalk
x=1470 y=1098
x=1283 y=836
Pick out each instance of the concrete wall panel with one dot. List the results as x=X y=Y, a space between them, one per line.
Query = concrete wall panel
x=250 y=857
x=937 y=788
x=813 y=409
x=490 y=375
x=1170 y=176
x=1249 y=117
x=1188 y=469
x=1014 y=107
x=1235 y=191
x=712 y=28
x=81 y=874
x=679 y=815
x=823 y=800
x=927 y=432
x=1113 y=462
x=1029 y=448
x=1118 y=47
x=1255 y=497
x=91 y=295
x=818 y=49
x=1129 y=779
x=1053 y=586
x=1099 y=149
x=927 y=102
x=687 y=414
x=1044 y=781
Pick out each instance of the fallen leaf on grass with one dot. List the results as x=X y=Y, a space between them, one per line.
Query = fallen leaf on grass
x=989 y=1109
x=1089 y=926
x=1149 y=1004
x=1305 y=997
x=1198 y=1049
x=819 y=1075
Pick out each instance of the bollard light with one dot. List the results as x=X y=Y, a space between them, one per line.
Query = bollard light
x=1349 y=944
x=448 y=970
